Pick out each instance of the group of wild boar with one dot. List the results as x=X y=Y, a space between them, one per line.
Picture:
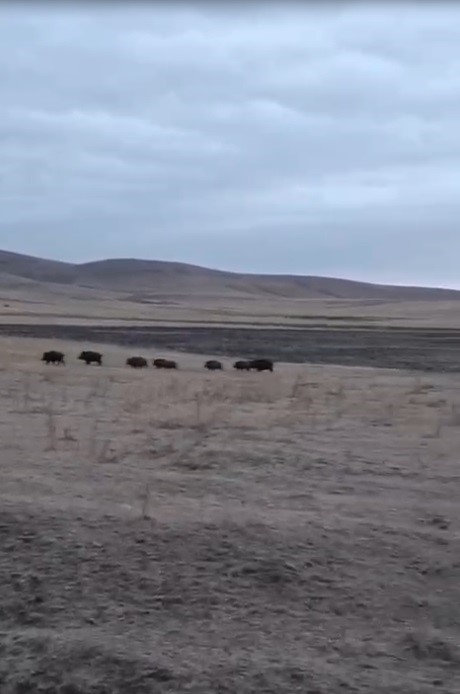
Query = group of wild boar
x=90 y=357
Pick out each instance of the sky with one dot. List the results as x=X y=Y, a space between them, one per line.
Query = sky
x=272 y=137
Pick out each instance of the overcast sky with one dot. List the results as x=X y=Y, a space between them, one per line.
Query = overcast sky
x=322 y=139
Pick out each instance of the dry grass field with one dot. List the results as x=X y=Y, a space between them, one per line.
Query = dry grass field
x=130 y=291
x=68 y=305
x=295 y=531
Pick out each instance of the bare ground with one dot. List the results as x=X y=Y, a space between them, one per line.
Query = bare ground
x=419 y=349
x=195 y=532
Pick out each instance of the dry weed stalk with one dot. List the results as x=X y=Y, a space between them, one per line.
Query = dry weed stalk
x=416 y=386
x=92 y=441
x=180 y=458
x=51 y=430
x=431 y=643
x=26 y=392
x=338 y=410
x=454 y=417
x=170 y=456
x=103 y=455
x=98 y=389
x=348 y=456
x=389 y=416
x=99 y=451
x=64 y=398
x=339 y=401
x=134 y=400
x=145 y=498
x=48 y=377
x=67 y=435
x=300 y=397
x=437 y=429
x=297 y=386
x=419 y=387
x=203 y=428
x=340 y=392
x=421 y=461
x=210 y=398
x=198 y=407
x=174 y=388
x=314 y=418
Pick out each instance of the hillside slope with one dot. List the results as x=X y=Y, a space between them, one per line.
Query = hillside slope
x=150 y=277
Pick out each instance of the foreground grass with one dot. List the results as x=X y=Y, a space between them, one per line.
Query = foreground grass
x=159 y=532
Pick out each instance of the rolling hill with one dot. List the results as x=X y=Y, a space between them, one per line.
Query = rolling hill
x=139 y=279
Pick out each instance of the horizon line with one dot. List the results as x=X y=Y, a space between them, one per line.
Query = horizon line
x=233 y=272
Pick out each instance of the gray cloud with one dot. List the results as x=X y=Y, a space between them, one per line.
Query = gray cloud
x=270 y=137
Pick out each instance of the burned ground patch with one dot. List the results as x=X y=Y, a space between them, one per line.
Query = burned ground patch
x=419 y=349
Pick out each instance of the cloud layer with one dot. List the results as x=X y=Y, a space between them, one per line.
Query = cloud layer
x=271 y=137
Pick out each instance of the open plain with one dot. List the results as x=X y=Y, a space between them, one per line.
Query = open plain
x=229 y=348
x=188 y=531
x=295 y=531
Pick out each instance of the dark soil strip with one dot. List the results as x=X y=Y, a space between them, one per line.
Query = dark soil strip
x=414 y=349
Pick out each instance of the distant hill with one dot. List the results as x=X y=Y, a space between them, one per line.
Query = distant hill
x=147 y=278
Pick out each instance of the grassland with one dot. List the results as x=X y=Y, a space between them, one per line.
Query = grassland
x=418 y=349
x=224 y=532
x=131 y=292
x=66 y=305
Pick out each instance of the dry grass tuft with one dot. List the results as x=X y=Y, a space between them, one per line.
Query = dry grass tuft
x=197 y=517
x=67 y=435
x=431 y=645
x=454 y=418
x=51 y=429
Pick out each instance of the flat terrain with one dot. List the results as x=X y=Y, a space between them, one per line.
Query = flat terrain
x=419 y=349
x=222 y=532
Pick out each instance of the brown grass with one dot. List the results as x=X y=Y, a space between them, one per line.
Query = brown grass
x=63 y=304
x=226 y=532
